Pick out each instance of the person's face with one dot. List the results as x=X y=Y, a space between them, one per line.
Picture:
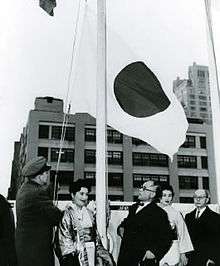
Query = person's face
x=147 y=192
x=44 y=178
x=166 y=198
x=81 y=197
x=200 y=198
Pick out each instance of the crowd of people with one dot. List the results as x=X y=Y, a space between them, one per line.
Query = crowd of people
x=153 y=233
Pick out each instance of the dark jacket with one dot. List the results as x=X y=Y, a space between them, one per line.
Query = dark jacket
x=205 y=236
x=149 y=229
x=36 y=216
x=7 y=234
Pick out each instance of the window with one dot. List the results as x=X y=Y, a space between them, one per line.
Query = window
x=115 y=179
x=204 y=162
x=185 y=161
x=193 y=114
x=70 y=134
x=203 y=115
x=63 y=177
x=203 y=103
x=138 y=142
x=139 y=179
x=188 y=182
x=91 y=177
x=201 y=73
x=192 y=108
x=190 y=142
x=202 y=142
x=90 y=134
x=43 y=132
x=43 y=151
x=56 y=132
x=203 y=109
x=115 y=157
x=90 y=156
x=202 y=97
x=67 y=155
x=205 y=182
x=186 y=200
x=114 y=136
x=192 y=102
x=115 y=198
x=192 y=96
x=150 y=159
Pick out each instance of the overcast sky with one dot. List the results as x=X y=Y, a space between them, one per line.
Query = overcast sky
x=35 y=52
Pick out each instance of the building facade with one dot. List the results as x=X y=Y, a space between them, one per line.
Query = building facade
x=130 y=161
x=194 y=93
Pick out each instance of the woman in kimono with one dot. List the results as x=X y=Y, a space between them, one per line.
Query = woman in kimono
x=181 y=240
x=77 y=240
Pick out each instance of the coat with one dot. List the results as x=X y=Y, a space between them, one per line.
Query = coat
x=36 y=216
x=7 y=234
x=205 y=235
x=148 y=229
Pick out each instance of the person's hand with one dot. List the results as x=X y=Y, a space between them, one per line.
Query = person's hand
x=183 y=259
x=210 y=262
x=120 y=231
x=148 y=255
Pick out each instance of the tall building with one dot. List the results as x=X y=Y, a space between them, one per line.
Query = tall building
x=130 y=161
x=194 y=93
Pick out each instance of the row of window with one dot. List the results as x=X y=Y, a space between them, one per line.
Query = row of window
x=116 y=179
x=56 y=132
x=116 y=158
x=113 y=136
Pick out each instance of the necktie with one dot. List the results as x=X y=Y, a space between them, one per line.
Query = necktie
x=197 y=214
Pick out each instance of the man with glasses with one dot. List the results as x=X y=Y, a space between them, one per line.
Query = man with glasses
x=146 y=233
x=204 y=229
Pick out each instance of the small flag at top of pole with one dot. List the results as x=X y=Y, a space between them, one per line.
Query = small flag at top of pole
x=48 y=6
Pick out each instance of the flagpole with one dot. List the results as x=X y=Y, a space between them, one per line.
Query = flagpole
x=215 y=95
x=101 y=180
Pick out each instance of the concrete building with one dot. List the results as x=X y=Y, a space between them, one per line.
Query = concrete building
x=194 y=93
x=130 y=161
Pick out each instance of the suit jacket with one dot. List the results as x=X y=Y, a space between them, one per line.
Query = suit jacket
x=7 y=234
x=36 y=216
x=205 y=236
x=149 y=229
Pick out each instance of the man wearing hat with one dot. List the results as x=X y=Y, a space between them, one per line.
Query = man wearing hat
x=36 y=216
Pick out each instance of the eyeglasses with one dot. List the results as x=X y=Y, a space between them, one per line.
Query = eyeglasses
x=199 y=198
x=146 y=189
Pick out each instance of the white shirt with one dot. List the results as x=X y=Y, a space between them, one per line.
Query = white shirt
x=141 y=207
x=200 y=212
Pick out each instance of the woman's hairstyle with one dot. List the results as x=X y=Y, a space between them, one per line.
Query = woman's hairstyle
x=161 y=188
x=77 y=185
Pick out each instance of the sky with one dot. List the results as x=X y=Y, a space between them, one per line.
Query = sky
x=35 y=52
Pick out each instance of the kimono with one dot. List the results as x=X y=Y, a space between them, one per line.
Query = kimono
x=181 y=239
x=77 y=239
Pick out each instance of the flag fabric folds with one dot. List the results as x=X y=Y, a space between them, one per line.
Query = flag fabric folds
x=138 y=102
x=48 y=6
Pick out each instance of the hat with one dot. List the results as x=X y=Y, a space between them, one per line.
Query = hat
x=35 y=166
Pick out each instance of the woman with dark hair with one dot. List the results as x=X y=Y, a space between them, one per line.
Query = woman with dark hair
x=181 y=239
x=77 y=240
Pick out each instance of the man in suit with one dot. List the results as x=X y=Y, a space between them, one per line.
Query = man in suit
x=146 y=233
x=204 y=229
x=7 y=234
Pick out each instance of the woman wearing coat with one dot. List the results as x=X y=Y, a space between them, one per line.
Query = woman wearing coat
x=36 y=216
x=77 y=240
